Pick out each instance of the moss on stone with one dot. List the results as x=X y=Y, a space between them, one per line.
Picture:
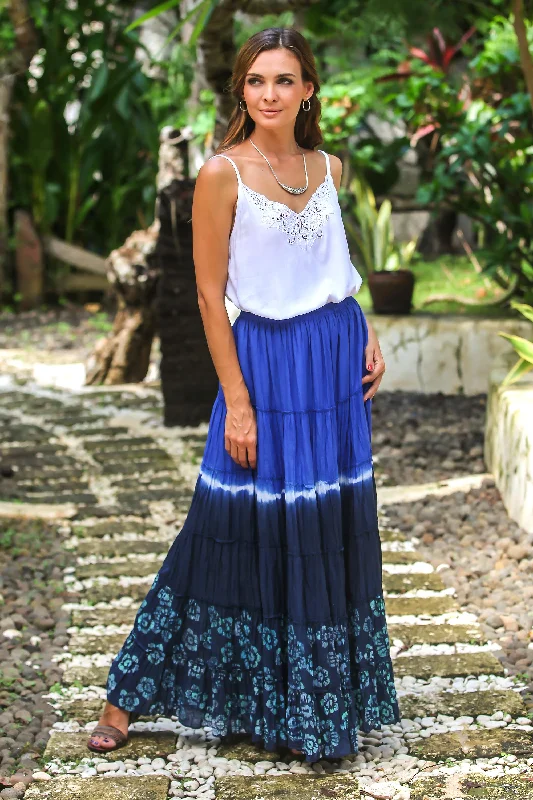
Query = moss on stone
x=136 y=569
x=112 y=548
x=87 y=645
x=416 y=605
x=245 y=750
x=87 y=617
x=435 y=634
x=72 y=746
x=111 y=527
x=288 y=787
x=113 y=590
x=508 y=787
x=463 y=704
x=142 y=787
x=390 y=557
x=391 y=536
x=452 y=666
x=87 y=676
x=81 y=711
x=474 y=744
x=399 y=583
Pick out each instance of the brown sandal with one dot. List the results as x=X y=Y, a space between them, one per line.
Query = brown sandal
x=112 y=733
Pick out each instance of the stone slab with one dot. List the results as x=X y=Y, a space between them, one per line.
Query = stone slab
x=398 y=606
x=72 y=746
x=130 y=568
x=474 y=744
x=436 y=634
x=142 y=787
x=112 y=548
x=463 y=704
x=392 y=557
x=112 y=526
x=88 y=645
x=449 y=666
x=400 y=583
x=245 y=750
x=86 y=676
x=87 y=617
x=508 y=787
x=288 y=787
x=391 y=536
x=114 y=590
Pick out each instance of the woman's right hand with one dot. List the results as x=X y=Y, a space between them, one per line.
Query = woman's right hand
x=240 y=434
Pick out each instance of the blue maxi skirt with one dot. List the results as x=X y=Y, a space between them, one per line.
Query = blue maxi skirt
x=267 y=616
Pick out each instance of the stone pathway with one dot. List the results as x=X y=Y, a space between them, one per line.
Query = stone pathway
x=123 y=485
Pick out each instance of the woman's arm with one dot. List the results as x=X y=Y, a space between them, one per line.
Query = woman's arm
x=214 y=199
x=374 y=361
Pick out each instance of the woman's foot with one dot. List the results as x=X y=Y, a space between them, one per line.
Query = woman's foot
x=113 y=717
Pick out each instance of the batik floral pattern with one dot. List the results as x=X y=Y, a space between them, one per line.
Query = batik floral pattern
x=311 y=687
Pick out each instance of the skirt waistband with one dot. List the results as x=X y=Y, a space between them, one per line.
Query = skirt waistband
x=315 y=312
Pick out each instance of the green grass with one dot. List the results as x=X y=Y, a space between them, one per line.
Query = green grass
x=453 y=275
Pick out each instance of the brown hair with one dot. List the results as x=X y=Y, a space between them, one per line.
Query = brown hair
x=307 y=130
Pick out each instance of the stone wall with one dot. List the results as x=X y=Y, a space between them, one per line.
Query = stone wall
x=509 y=445
x=448 y=354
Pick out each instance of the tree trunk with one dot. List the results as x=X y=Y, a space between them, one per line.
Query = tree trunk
x=188 y=378
x=29 y=261
x=124 y=355
x=526 y=59
x=13 y=64
x=6 y=83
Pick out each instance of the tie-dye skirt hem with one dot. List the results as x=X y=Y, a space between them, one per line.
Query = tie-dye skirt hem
x=267 y=616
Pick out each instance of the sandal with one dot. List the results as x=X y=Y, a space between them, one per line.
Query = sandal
x=112 y=733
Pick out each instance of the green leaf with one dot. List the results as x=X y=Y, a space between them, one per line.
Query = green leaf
x=522 y=346
x=154 y=12
x=208 y=6
x=515 y=373
x=524 y=309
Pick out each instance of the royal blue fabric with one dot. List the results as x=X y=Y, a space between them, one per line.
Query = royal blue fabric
x=267 y=616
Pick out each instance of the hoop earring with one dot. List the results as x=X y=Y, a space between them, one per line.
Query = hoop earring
x=240 y=106
x=309 y=106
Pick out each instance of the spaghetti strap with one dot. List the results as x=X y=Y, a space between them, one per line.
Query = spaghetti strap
x=238 y=174
x=326 y=156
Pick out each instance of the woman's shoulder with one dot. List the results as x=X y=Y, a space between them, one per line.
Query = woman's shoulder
x=216 y=173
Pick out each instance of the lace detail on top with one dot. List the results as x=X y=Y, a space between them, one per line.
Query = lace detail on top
x=302 y=228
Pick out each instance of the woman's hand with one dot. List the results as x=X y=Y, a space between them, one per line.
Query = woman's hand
x=374 y=363
x=240 y=434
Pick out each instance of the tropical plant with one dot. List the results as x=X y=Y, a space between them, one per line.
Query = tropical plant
x=84 y=140
x=374 y=236
x=522 y=346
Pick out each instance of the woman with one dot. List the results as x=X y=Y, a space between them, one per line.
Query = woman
x=267 y=615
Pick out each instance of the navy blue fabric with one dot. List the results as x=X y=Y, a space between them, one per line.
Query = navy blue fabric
x=267 y=616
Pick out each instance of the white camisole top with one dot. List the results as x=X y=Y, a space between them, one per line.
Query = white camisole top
x=283 y=263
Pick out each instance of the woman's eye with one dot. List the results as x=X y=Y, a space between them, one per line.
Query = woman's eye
x=252 y=81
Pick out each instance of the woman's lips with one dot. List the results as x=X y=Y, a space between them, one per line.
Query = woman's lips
x=269 y=113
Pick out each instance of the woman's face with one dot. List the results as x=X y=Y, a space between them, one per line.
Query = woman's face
x=274 y=89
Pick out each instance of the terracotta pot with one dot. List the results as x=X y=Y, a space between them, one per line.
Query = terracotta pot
x=392 y=292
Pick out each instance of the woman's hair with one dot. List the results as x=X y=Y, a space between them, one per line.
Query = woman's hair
x=306 y=131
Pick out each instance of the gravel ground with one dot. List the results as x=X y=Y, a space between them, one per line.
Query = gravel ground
x=32 y=630
x=418 y=438
x=491 y=565
x=72 y=327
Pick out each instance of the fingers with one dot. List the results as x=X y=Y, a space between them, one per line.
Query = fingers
x=240 y=441
x=374 y=377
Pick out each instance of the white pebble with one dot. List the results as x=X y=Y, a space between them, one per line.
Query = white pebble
x=44 y=776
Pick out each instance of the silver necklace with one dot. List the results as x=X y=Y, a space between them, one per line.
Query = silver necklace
x=290 y=189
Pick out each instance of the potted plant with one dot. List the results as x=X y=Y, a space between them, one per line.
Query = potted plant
x=386 y=262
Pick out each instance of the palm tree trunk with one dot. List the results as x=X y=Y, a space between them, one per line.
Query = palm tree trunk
x=6 y=85
x=526 y=59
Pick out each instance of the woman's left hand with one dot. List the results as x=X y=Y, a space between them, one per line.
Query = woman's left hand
x=375 y=363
